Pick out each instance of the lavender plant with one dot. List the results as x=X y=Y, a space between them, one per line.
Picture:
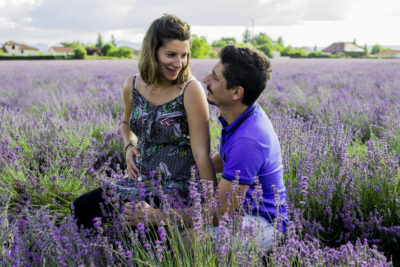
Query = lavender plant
x=337 y=121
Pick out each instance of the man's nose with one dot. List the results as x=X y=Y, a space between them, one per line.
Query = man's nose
x=205 y=79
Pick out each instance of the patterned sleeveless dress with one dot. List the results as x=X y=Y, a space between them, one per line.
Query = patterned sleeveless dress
x=164 y=144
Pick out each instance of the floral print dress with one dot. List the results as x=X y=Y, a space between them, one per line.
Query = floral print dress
x=164 y=143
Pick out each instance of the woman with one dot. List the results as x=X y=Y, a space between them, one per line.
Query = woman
x=164 y=127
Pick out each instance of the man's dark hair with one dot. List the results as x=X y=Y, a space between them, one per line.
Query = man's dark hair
x=246 y=67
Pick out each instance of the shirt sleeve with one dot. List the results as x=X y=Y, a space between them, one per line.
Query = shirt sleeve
x=245 y=157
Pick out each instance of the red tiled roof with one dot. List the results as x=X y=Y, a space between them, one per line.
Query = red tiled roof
x=26 y=47
x=20 y=46
x=63 y=49
x=387 y=53
x=10 y=43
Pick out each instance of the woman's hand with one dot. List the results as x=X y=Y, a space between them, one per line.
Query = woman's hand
x=130 y=154
x=141 y=212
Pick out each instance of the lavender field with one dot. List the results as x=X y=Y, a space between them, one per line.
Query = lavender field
x=339 y=128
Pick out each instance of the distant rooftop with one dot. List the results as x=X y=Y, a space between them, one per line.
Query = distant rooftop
x=343 y=47
x=62 y=49
x=387 y=53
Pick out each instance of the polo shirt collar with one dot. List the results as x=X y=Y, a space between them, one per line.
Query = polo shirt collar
x=238 y=121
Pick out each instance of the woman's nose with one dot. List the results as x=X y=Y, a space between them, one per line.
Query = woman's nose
x=178 y=62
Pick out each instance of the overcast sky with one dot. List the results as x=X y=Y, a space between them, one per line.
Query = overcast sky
x=298 y=22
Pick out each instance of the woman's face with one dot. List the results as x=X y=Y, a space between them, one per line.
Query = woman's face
x=172 y=57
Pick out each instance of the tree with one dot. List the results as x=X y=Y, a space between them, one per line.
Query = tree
x=99 y=43
x=267 y=49
x=376 y=49
x=264 y=43
x=247 y=36
x=113 y=40
x=218 y=43
x=294 y=52
x=70 y=44
x=229 y=40
x=200 y=48
x=280 y=40
x=262 y=38
x=79 y=52
x=121 y=52
x=224 y=41
x=106 y=48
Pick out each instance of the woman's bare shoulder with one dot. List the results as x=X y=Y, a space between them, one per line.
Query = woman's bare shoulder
x=134 y=80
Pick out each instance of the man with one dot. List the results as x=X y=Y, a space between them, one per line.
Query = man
x=249 y=145
x=250 y=153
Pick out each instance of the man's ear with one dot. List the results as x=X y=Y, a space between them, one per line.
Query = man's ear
x=238 y=92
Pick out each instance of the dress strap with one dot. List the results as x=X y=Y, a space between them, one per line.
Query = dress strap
x=134 y=82
x=186 y=84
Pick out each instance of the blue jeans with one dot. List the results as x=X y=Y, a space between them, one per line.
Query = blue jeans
x=253 y=229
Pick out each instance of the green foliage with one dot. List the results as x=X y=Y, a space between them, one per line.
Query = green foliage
x=218 y=43
x=355 y=54
x=200 y=48
x=376 y=49
x=99 y=43
x=262 y=39
x=229 y=40
x=294 y=52
x=247 y=36
x=125 y=52
x=113 y=40
x=264 y=43
x=278 y=47
x=73 y=44
x=122 y=52
x=106 y=48
x=318 y=54
x=79 y=52
x=224 y=41
x=267 y=49
x=280 y=41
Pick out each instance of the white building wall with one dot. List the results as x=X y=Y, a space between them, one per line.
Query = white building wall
x=15 y=50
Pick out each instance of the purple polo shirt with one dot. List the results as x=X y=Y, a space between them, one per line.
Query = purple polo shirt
x=250 y=145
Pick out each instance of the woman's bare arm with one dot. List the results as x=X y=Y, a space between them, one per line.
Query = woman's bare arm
x=197 y=112
x=129 y=139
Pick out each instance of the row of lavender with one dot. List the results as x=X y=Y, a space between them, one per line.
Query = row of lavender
x=338 y=125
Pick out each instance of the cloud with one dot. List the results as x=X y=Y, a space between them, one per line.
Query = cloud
x=83 y=19
x=326 y=10
x=103 y=15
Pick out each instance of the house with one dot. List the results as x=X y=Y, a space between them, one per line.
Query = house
x=344 y=48
x=13 y=48
x=60 y=50
x=388 y=54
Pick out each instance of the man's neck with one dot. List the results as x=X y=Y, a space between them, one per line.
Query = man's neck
x=231 y=113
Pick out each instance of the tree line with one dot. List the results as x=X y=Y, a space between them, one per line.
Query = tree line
x=101 y=49
x=201 y=48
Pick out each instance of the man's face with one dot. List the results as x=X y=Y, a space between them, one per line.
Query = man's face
x=218 y=94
